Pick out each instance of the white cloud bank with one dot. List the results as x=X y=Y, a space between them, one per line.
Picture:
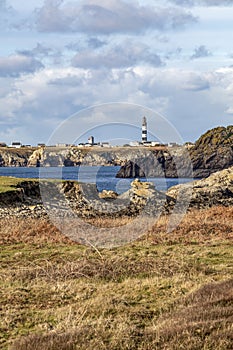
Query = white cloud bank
x=108 y=16
x=49 y=96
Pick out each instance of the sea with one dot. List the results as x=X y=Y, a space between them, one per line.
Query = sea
x=103 y=176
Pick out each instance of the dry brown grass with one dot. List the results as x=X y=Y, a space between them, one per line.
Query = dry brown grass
x=204 y=317
x=36 y=231
x=201 y=226
x=164 y=291
x=203 y=320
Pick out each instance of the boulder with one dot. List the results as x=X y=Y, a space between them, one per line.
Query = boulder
x=105 y=194
x=130 y=170
x=217 y=189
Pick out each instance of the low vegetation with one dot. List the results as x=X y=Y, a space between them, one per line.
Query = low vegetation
x=164 y=291
x=219 y=136
x=8 y=183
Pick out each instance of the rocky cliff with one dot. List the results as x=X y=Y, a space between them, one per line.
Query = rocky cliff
x=10 y=157
x=212 y=152
x=217 y=189
x=158 y=163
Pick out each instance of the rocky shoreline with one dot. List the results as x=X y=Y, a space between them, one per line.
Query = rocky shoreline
x=212 y=152
x=70 y=199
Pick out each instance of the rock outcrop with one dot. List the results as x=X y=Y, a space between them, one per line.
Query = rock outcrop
x=105 y=194
x=15 y=157
x=70 y=199
x=212 y=152
x=217 y=189
x=158 y=163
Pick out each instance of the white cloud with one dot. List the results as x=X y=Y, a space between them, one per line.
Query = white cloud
x=112 y=16
x=16 y=64
x=127 y=54
x=202 y=2
x=118 y=50
x=6 y=15
x=200 y=52
x=192 y=101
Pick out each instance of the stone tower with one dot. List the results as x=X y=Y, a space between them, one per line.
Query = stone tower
x=144 y=130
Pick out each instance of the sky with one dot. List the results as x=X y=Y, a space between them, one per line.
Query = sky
x=59 y=58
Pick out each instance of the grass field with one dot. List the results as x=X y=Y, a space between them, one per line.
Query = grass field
x=8 y=183
x=165 y=291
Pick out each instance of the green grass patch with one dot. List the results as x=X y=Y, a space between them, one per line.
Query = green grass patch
x=8 y=183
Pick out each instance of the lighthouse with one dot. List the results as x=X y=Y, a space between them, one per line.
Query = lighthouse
x=144 y=130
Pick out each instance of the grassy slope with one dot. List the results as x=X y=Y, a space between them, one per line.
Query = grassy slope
x=8 y=183
x=11 y=184
x=161 y=292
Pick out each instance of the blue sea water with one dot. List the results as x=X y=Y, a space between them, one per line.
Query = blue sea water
x=104 y=176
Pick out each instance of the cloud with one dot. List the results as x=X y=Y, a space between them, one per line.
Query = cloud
x=4 y=7
x=39 y=102
x=13 y=66
x=6 y=15
x=167 y=81
x=189 y=3
x=127 y=54
x=92 y=42
x=196 y=82
x=109 y=16
x=43 y=53
x=96 y=43
x=38 y=50
x=200 y=52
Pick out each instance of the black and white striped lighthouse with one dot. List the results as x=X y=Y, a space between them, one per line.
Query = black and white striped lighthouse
x=144 y=130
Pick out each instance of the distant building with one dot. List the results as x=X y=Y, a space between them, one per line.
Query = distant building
x=147 y=143
x=105 y=144
x=134 y=143
x=155 y=143
x=62 y=145
x=16 y=144
x=173 y=144
x=3 y=144
x=144 y=130
x=41 y=145
x=91 y=140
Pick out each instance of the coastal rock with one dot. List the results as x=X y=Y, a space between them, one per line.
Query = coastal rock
x=12 y=197
x=70 y=199
x=14 y=157
x=130 y=170
x=144 y=197
x=217 y=189
x=158 y=163
x=35 y=158
x=212 y=152
x=105 y=194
